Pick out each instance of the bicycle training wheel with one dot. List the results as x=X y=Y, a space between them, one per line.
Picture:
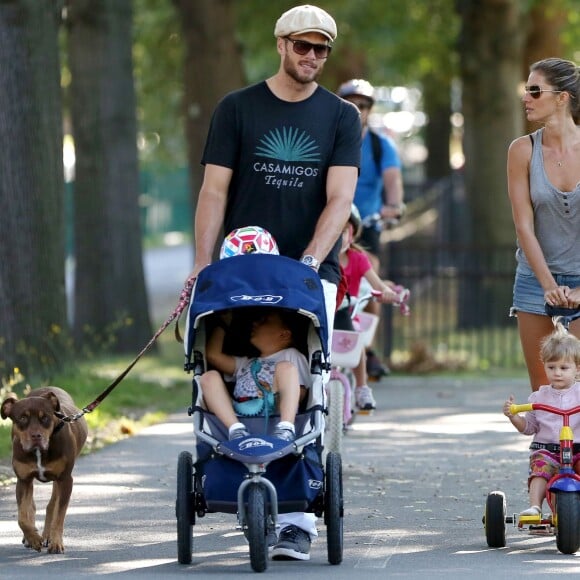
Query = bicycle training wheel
x=495 y=512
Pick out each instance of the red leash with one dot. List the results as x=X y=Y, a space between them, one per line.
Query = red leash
x=184 y=298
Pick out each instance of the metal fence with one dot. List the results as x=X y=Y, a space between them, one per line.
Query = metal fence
x=460 y=304
x=460 y=293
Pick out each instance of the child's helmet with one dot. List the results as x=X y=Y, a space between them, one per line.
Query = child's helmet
x=248 y=240
x=355 y=220
x=357 y=87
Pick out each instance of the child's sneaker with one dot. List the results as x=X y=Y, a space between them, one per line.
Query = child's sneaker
x=284 y=432
x=237 y=431
x=364 y=399
x=534 y=510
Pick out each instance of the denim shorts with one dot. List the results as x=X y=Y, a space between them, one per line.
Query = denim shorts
x=529 y=294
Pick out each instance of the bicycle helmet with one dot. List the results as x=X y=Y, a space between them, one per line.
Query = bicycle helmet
x=357 y=87
x=355 y=220
x=248 y=240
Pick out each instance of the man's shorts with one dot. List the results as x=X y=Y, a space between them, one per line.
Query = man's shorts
x=529 y=294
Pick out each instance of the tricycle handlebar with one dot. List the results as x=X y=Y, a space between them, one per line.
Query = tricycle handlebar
x=515 y=409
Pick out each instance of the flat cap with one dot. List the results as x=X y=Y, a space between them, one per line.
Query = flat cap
x=306 y=18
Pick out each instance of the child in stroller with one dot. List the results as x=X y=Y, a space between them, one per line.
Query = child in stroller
x=276 y=380
x=259 y=475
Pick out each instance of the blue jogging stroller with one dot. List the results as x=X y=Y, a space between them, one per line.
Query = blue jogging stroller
x=259 y=476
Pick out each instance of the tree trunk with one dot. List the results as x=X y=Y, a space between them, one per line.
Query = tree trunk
x=213 y=67
x=490 y=48
x=543 y=39
x=33 y=325
x=437 y=98
x=111 y=305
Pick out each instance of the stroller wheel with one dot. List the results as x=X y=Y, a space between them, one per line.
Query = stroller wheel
x=184 y=507
x=257 y=528
x=333 y=508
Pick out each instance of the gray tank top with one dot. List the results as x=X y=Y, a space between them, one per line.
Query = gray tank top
x=556 y=218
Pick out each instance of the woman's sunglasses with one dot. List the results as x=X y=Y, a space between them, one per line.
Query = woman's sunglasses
x=536 y=92
x=302 y=48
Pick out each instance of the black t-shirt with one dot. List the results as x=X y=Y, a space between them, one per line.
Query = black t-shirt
x=280 y=153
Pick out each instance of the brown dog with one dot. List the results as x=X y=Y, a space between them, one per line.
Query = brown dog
x=45 y=448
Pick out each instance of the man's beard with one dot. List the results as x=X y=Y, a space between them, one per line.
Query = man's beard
x=292 y=71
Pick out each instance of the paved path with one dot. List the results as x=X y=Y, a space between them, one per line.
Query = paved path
x=416 y=476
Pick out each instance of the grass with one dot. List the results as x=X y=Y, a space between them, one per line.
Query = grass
x=158 y=386
x=155 y=387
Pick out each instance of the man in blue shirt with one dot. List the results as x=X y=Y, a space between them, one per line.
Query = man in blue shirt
x=379 y=191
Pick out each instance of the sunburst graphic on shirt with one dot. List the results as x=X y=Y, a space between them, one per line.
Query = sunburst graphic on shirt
x=288 y=144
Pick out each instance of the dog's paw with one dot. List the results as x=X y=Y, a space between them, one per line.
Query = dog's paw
x=54 y=544
x=56 y=548
x=33 y=541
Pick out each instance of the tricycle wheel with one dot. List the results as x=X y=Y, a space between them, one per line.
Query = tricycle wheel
x=333 y=507
x=184 y=507
x=568 y=521
x=257 y=528
x=495 y=512
x=334 y=432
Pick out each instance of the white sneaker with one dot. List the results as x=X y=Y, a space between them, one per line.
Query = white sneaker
x=364 y=399
x=534 y=510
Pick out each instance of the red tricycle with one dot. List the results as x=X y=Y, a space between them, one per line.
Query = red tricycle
x=563 y=489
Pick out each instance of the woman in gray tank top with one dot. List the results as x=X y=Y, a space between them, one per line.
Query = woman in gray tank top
x=543 y=172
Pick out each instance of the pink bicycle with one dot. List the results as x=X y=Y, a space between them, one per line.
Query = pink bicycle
x=347 y=347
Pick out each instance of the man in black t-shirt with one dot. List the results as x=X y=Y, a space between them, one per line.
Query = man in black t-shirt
x=284 y=155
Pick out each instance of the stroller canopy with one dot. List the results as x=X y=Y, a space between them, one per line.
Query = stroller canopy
x=257 y=280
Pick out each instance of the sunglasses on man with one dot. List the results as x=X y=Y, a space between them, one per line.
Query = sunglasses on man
x=302 y=48
x=536 y=91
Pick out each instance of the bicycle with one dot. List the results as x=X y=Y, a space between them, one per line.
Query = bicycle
x=563 y=489
x=347 y=348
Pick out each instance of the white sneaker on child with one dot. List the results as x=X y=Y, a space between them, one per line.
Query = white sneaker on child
x=284 y=431
x=237 y=431
x=364 y=399
x=534 y=510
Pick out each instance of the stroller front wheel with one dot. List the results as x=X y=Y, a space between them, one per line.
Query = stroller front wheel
x=257 y=529
x=184 y=507
x=333 y=508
